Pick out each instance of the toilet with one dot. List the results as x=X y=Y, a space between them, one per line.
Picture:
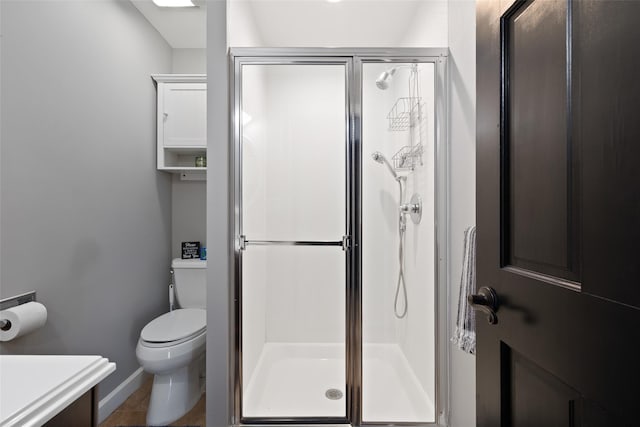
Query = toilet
x=172 y=346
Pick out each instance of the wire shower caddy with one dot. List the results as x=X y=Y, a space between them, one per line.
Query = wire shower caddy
x=407 y=115
x=408 y=157
x=404 y=114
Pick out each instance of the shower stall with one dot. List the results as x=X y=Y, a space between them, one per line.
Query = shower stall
x=339 y=301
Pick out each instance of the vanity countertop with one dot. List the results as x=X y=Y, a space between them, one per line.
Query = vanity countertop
x=33 y=389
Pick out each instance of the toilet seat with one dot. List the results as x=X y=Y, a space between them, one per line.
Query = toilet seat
x=161 y=345
x=174 y=327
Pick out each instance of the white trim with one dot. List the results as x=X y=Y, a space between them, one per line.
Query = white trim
x=179 y=78
x=117 y=397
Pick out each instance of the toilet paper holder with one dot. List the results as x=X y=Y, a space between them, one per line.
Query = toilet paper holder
x=14 y=302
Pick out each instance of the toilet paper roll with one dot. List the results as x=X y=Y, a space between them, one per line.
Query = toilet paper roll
x=21 y=320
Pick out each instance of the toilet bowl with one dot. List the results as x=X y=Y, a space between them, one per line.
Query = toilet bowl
x=172 y=347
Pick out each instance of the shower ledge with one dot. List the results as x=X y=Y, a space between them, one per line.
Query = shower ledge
x=34 y=389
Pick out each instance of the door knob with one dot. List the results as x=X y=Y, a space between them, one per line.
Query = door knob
x=486 y=300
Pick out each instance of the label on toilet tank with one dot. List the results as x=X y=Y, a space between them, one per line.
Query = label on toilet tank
x=190 y=250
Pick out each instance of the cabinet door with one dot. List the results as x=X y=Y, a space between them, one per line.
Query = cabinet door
x=185 y=115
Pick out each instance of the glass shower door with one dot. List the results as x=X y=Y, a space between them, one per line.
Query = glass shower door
x=292 y=223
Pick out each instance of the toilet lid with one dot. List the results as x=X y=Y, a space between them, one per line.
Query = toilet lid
x=175 y=325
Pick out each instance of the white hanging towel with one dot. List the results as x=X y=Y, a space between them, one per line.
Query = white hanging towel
x=465 y=334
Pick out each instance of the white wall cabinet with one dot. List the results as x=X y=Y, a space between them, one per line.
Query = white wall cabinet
x=182 y=123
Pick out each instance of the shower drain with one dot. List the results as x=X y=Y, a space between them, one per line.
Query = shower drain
x=333 y=394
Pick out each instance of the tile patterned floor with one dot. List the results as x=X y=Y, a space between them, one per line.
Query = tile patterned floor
x=133 y=411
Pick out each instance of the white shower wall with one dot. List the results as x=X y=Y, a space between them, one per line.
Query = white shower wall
x=414 y=334
x=305 y=189
x=293 y=189
x=254 y=148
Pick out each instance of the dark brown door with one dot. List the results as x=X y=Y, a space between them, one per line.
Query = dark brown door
x=558 y=196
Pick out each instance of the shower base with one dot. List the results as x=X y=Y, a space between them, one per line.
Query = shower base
x=292 y=380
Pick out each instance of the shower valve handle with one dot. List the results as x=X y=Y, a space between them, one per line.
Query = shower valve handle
x=413 y=208
x=410 y=208
x=486 y=300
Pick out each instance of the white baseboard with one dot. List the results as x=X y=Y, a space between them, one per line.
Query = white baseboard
x=117 y=397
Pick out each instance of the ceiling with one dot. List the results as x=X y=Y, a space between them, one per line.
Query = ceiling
x=357 y=23
x=181 y=27
x=349 y=23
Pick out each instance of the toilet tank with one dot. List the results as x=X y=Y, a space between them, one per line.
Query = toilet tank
x=190 y=280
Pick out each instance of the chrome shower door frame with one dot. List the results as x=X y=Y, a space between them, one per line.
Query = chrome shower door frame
x=353 y=59
x=257 y=57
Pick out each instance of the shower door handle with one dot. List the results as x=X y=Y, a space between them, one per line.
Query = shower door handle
x=344 y=242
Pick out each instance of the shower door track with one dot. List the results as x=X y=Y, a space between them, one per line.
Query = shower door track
x=352 y=58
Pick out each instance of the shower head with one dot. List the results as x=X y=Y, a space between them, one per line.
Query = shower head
x=380 y=158
x=385 y=78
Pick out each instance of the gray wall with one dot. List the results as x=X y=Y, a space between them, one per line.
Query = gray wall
x=85 y=215
x=189 y=205
x=218 y=218
x=188 y=213
x=462 y=62
x=189 y=61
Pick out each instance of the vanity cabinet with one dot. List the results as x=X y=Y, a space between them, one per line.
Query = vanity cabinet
x=82 y=412
x=181 y=123
x=51 y=391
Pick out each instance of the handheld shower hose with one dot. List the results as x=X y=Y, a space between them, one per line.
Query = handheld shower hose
x=402 y=228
